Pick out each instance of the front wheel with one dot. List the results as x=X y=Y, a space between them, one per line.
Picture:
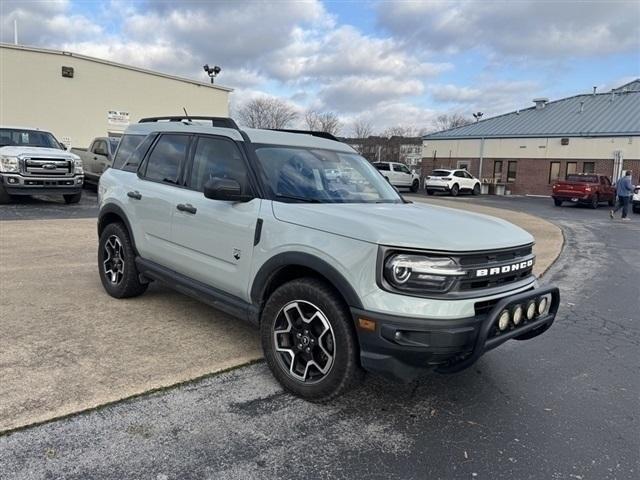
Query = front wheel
x=612 y=202
x=415 y=185
x=116 y=263
x=595 y=201
x=4 y=196
x=476 y=189
x=455 y=190
x=73 y=198
x=309 y=340
x=557 y=203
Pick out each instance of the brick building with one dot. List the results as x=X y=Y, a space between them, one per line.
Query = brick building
x=527 y=150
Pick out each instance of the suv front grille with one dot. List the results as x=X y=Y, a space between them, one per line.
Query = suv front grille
x=47 y=167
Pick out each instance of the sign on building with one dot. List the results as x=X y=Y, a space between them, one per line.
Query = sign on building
x=115 y=117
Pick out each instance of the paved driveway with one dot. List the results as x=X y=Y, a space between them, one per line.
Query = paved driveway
x=563 y=406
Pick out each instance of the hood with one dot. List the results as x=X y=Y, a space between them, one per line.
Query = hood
x=22 y=151
x=409 y=225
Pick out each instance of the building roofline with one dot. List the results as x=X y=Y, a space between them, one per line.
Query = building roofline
x=535 y=135
x=114 y=64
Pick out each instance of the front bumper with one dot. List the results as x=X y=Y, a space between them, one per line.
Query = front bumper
x=405 y=348
x=15 y=184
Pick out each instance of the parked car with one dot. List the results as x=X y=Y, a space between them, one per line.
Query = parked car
x=451 y=181
x=33 y=162
x=585 y=188
x=98 y=157
x=635 y=201
x=339 y=277
x=399 y=175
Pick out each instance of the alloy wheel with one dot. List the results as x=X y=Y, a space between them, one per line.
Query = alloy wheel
x=113 y=264
x=304 y=341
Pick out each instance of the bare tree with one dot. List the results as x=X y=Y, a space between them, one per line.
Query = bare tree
x=453 y=120
x=323 y=122
x=267 y=112
x=400 y=131
x=362 y=128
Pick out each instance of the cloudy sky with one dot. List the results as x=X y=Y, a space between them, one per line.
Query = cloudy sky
x=391 y=62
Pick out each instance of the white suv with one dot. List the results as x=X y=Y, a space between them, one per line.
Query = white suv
x=301 y=236
x=452 y=181
x=399 y=175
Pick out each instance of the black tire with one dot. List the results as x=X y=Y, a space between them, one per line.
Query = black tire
x=4 y=196
x=557 y=203
x=455 y=190
x=476 y=189
x=127 y=283
x=73 y=198
x=595 y=201
x=415 y=186
x=301 y=297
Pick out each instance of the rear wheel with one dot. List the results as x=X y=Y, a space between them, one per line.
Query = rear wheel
x=309 y=341
x=595 y=201
x=612 y=202
x=4 y=196
x=415 y=185
x=73 y=198
x=116 y=263
x=455 y=190
x=557 y=202
x=476 y=189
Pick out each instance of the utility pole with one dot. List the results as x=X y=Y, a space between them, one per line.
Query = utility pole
x=15 y=31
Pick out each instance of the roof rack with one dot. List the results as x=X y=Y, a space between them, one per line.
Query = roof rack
x=326 y=135
x=224 y=122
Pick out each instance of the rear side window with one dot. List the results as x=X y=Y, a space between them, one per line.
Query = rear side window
x=163 y=164
x=382 y=166
x=127 y=145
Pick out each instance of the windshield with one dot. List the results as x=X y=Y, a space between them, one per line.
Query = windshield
x=322 y=176
x=582 y=178
x=27 y=138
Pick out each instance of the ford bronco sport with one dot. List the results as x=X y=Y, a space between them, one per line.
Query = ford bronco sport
x=341 y=276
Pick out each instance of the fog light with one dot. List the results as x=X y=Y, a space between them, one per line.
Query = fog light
x=517 y=315
x=503 y=320
x=531 y=309
x=542 y=305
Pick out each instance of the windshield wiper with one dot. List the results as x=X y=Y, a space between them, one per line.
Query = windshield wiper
x=299 y=199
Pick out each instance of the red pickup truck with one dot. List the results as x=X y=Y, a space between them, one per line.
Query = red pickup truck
x=588 y=188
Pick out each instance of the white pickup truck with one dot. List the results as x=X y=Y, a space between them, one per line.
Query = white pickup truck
x=33 y=162
x=98 y=157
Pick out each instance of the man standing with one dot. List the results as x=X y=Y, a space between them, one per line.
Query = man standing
x=624 y=190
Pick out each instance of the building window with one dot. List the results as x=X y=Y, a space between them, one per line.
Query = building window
x=589 y=167
x=497 y=170
x=512 y=168
x=554 y=171
x=572 y=167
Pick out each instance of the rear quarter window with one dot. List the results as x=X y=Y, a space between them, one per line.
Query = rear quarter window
x=126 y=147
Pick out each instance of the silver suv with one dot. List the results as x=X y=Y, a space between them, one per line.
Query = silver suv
x=298 y=234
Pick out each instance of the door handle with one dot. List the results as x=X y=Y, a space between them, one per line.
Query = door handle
x=188 y=208
x=136 y=195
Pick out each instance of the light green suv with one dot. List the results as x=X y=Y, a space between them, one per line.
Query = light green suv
x=298 y=234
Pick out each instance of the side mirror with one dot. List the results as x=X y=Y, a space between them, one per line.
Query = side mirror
x=224 y=189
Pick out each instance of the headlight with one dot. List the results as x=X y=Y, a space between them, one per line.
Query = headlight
x=77 y=166
x=420 y=273
x=9 y=164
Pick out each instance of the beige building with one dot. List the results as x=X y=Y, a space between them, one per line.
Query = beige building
x=529 y=149
x=78 y=97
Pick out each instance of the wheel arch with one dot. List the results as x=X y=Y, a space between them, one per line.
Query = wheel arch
x=291 y=265
x=114 y=214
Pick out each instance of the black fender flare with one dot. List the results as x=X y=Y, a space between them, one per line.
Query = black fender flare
x=111 y=209
x=287 y=259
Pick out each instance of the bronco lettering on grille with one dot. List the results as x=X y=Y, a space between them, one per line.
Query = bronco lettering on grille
x=514 y=267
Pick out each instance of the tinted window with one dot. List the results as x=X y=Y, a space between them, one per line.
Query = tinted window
x=100 y=147
x=467 y=175
x=402 y=168
x=217 y=158
x=127 y=145
x=163 y=164
x=582 y=178
x=440 y=173
x=382 y=166
x=27 y=138
x=459 y=174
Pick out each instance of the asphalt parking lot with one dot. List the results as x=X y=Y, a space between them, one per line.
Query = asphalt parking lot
x=560 y=406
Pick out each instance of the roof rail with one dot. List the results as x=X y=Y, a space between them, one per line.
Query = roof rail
x=326 y=135
x=224 y=122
